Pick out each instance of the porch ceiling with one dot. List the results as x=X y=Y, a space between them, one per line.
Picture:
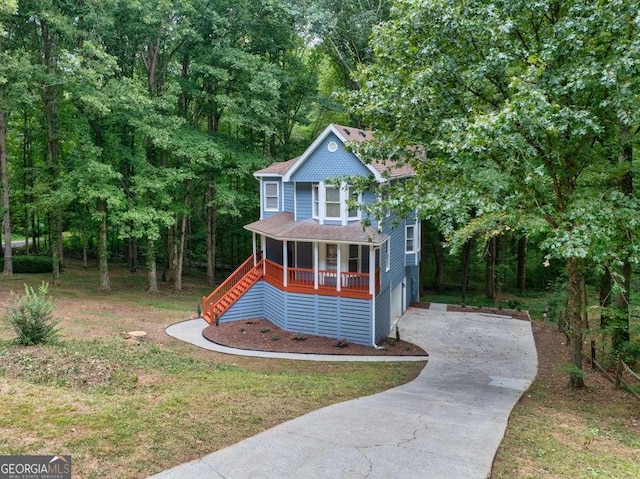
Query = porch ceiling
x=283 y=227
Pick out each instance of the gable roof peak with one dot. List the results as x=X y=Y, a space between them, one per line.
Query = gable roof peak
x=381 y=170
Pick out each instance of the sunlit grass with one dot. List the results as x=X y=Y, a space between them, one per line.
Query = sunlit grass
x=124 y=409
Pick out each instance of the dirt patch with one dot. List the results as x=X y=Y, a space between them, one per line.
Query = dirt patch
x=262 y=335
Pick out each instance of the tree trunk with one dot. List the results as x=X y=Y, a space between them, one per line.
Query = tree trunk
x=177 y=280
x=605 y=299
x=490 y=272
x=522 y=264
x=103 y=265
x=152 y=276
x=439 y=257
x=6 y=217
x=212 y=225
x=27 y=167
x=622 y=300
x=575 y=308
x=56 y=247
x=171 y=250
x=50 y=94
x=466 y=255
x=133 y=255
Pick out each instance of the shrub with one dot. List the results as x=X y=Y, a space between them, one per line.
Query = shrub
x=30 y=264
x=31 y=316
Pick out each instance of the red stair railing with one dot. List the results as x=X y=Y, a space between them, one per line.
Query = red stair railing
x=209 y=302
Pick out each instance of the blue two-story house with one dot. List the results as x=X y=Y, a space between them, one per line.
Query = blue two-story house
x=316 y=269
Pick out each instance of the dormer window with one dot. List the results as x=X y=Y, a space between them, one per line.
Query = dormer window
x=271 y=196
x=331 y=203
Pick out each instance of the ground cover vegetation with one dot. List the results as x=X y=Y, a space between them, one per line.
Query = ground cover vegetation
x=128 y=408
x=129 y=132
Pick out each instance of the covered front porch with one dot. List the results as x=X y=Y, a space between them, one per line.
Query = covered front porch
x=320 y=268
x=304 y=257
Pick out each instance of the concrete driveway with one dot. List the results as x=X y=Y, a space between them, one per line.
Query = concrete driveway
x=447 y=423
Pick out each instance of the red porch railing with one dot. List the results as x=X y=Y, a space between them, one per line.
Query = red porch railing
x=302 y=280
x=299 y=280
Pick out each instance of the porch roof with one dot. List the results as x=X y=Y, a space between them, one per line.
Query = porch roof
x=284 y=227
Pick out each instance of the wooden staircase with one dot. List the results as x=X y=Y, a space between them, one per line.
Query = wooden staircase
x=225 y=295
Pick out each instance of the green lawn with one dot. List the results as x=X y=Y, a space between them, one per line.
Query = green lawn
x=126 y=410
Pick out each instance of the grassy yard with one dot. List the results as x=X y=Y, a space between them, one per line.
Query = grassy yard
x=557 y=433
x=127 y=409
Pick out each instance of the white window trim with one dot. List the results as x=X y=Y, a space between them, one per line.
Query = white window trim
x=315 y=199
x=359 y=200
x=387 y=254
x=266 y=184
x=411 y=237
x=319 y=195
x=340 y=203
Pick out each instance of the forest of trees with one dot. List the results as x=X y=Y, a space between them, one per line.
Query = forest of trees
x=130 y=130
x=135 y=126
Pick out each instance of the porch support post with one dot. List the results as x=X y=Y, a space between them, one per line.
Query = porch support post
x=264 y=254
x=338 y=267
x=316 y=264
x=372 y=271
x=285 y=263
x=255 y=253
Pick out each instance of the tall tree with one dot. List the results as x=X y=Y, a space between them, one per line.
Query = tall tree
x=512 y=102
x=344 y=29
x=6 y=7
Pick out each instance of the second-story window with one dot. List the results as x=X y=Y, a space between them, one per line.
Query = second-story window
x=353 y=213
x=410 y=239
x=271 y=196
x=332 y=202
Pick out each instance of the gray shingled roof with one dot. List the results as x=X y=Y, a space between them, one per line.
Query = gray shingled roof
x=282 y=226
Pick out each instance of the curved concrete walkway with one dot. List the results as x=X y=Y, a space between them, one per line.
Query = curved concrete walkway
x=447 y=423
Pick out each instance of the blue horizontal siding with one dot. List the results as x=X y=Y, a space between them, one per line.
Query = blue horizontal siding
x=327 y=316
x=289 y=193
x=274 y=309
x=320 y=315
x=413 y=283
x=383 y=314
x=249 y=305
x=304 y=201
x=306 y=313
x=396 y=232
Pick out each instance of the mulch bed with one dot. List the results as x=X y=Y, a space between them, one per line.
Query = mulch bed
x=262 y=335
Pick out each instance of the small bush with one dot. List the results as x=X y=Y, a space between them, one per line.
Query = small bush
x=30 y=264
x=31 y=316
